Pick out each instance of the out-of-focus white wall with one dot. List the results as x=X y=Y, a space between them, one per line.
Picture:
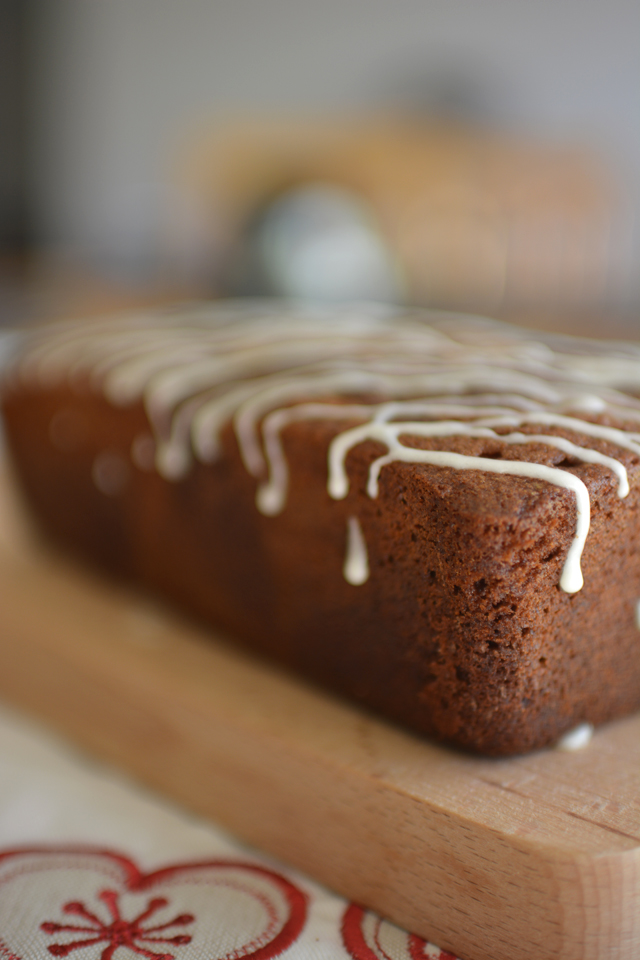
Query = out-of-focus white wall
x=118 y=83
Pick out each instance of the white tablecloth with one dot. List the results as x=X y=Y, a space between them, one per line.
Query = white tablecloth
x=91 y=865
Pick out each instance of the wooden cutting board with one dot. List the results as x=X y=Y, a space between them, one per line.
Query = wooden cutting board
x=535 y=857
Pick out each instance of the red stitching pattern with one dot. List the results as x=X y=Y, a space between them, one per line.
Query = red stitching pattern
x=119 y=932
x=376 y=937
x=417 y=950
x=352 y=935
x=284 y=922
x=5 y=953
x=355 y=943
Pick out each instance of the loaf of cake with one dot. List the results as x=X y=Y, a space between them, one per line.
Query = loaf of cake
x=435 y=516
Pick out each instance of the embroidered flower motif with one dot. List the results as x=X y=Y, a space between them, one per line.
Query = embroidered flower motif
x=118 y=932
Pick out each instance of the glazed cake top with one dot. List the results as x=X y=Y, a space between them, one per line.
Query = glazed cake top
x=432 y=376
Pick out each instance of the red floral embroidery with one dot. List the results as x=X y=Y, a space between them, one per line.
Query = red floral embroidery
x=105 y=922
x=117 y=932
x=361 y=946
x=418 y=950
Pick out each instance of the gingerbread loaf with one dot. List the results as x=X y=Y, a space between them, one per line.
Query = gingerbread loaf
x=436 y=517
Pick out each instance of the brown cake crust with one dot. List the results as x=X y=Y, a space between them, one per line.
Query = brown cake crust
x=461 y=632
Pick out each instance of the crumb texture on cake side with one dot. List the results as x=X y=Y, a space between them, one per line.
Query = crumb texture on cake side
x=435 y=516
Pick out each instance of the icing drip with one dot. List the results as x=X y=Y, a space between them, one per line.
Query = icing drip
x=571 y=580
x=576 y=739
x=272 y=493
x=390 y=435
x=265 y=367
x=356 y=564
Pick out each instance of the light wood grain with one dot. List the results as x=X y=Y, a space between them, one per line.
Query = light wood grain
x=537 y=857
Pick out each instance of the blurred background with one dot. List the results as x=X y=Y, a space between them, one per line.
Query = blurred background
x=482 y=156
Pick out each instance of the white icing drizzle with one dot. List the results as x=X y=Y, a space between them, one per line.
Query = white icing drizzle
x=266 y=366
x=576 y=739
x=571 y=580
x=356 y=563
x=272 y=494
